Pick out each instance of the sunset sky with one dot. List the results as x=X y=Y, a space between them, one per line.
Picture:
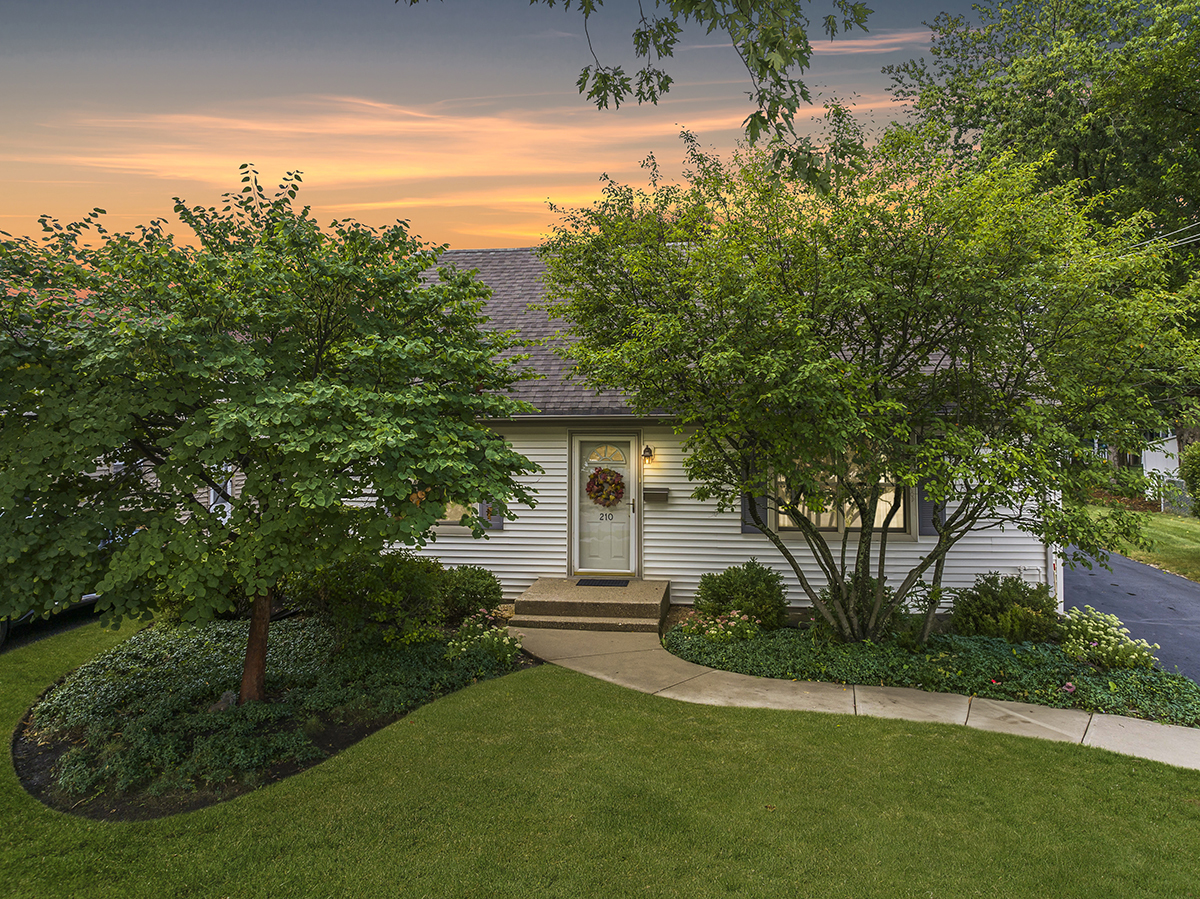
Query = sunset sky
x=461 y=116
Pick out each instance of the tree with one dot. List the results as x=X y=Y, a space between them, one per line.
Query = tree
x=921 y=325
x=1111 y=88
x=771 y=40
x=331 y=369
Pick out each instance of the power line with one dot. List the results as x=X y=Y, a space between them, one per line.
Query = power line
x=1195 y=224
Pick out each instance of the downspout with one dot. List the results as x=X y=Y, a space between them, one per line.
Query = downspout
x=1054 y=574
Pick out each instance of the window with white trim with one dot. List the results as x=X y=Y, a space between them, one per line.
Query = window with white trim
x=845 y=516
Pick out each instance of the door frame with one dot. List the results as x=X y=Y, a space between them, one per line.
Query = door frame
x=574 y=488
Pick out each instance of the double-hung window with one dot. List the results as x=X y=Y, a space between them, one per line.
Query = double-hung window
x=842 y=516
x=452 y=517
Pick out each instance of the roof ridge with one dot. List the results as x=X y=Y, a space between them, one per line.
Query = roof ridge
x=492 y=250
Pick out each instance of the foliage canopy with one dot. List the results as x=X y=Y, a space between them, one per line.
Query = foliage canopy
x=826 y=355
x=330 y=375
x=1111 y=88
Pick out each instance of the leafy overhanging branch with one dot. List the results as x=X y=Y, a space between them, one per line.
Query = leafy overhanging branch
x=771 y=39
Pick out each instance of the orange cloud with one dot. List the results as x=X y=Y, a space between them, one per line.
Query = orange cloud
x=469 y=171
x=350 y=140
x=880 y=42
x=883 y=42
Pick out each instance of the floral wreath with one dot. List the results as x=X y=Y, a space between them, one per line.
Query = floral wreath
x=605 y=487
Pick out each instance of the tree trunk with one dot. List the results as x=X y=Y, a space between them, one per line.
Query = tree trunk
x=254 y=671
x=935 y=598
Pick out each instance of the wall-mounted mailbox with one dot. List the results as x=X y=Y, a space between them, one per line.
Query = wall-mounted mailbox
x=655 y=494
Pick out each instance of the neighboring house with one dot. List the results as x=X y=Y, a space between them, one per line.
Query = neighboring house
x=1162 y=456
x=657 y=531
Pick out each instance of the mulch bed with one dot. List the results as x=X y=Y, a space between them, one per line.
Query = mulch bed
x=1136 y=504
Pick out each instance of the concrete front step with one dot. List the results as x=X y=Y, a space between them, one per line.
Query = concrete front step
x=591 y=608
x=561 y=603
x=582 y=623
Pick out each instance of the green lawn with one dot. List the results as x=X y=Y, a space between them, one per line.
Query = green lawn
x=1173 y=544
x=549 y=783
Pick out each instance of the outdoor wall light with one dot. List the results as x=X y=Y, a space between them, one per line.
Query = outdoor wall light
x=647 y=454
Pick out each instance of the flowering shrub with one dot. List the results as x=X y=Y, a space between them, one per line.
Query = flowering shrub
x=723 y=627
x=1099 y=638
x=486 y=631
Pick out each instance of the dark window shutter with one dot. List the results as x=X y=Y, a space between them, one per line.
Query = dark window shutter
x=492 y=519
x=748 y=526
x=925 y=511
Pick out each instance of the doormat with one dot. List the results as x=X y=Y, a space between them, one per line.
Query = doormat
x=601 y=582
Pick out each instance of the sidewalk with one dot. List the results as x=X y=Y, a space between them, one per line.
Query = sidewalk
x=639 y=662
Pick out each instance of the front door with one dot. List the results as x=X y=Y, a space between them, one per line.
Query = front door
x=605 y=505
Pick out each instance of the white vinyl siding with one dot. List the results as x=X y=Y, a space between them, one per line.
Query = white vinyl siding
x=535 y=544
x=684 y=538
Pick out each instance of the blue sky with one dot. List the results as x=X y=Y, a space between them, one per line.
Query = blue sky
x=461 y=116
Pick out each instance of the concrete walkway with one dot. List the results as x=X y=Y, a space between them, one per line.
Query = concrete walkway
x=639 y=662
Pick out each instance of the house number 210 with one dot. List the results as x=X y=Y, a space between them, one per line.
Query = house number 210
x=606 y=516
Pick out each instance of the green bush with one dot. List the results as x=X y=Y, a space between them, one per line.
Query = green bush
x=751 y=588
x=1099 y=638
x=467 y=589
x=394 y=596
x=1189 y=470
x=1006 y=607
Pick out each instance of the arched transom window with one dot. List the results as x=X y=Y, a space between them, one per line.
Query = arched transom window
x=606 y=453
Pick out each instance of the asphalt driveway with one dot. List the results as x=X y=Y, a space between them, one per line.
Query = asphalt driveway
x=1156 y=607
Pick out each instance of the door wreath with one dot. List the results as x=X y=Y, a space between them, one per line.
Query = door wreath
x=605 y=487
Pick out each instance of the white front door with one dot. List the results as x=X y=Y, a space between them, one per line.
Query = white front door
x=605 y=505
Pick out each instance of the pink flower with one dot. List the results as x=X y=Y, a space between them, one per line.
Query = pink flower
x=1069 y=687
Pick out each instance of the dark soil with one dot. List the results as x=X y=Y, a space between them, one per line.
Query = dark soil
x=1136 y=503
x=35 y=760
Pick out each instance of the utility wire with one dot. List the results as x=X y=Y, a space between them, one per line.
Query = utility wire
x=1195 y=224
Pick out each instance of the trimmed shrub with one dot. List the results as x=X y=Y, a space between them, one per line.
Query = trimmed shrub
x=751 y=588
x=468 y=589
x=395 y=596
x=1189 y=470
x=1006 y=607
x=1100 y=639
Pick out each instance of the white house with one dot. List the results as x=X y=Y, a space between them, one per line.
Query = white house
x=1162 y=456
x=657 y=531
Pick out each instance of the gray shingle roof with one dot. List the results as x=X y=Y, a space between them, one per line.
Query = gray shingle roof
x=515 y=277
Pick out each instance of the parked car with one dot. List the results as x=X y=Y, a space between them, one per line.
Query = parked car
x=7 y=624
